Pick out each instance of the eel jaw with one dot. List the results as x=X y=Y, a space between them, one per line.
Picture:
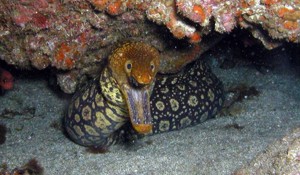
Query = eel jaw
x=138 y=102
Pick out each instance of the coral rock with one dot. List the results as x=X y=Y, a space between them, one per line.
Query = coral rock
x=73 y=35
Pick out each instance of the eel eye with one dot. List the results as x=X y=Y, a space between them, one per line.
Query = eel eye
x=128 y=66
x=152 y=66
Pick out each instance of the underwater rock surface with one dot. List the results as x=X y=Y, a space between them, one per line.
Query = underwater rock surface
x=76 y=36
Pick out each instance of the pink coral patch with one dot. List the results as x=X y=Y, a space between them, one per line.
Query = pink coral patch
x=228 y=21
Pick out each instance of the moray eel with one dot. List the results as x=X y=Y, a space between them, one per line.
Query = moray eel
x=129 y=98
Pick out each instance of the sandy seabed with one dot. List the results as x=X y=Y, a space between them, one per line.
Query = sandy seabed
x=214 y=147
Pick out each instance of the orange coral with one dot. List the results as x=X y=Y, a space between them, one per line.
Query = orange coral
x=283 y=11
x=200 y=12
x=114 y=8
x=176 y=30
x=290 y=25
x=245 y=4
x=69 y=63
x=64 y=48
x=100 y=4
x=225 y=13
x=195 y=38
x=271 y=2
x=67 y=54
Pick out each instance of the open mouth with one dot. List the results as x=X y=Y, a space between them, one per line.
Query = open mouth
x=138 y=102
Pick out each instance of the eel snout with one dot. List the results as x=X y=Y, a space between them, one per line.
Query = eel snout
x=136 y=84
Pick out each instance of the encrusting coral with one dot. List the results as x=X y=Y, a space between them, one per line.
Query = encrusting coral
x=279 y=18
x=74 y=35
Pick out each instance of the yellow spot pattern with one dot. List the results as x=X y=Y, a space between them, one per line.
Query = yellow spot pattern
x=99 y=100
x=78 y=130
x=77 y=102
x=90 y=130
x=164 y=125
x=164 y=90
x=160 y=105
x=181 y=87
x=193 y=101
x=113 y=116
x=85 y=95
x=77 y=118
x=86 y=113
x=174 y=104
x=211 y=95
x=101 y=121
x=185 y=122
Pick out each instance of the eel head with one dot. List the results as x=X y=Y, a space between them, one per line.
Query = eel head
x=134 y=66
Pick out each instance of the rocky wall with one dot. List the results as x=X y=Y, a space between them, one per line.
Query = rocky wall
x=74 y=37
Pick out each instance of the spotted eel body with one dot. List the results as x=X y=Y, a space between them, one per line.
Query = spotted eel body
x=186 y=99
x=98 y=114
